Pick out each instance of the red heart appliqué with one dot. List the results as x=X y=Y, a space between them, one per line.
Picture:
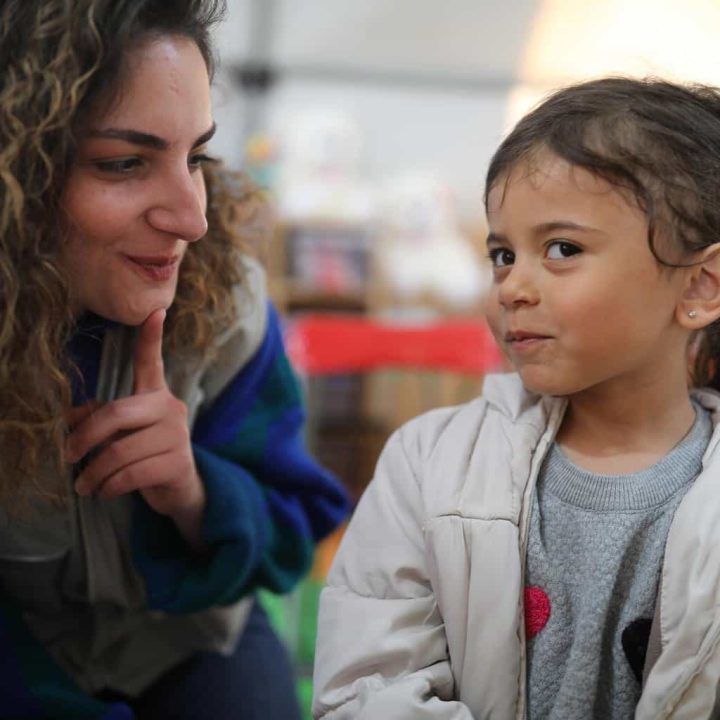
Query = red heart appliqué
x=537 y=610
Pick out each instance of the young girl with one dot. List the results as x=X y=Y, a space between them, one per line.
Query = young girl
x=552 y=549
x=153 y=475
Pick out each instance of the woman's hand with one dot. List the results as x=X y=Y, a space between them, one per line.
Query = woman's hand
x=142 y=442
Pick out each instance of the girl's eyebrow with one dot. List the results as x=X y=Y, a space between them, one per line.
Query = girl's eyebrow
x=554 y=225
x=135 y=137
x=544 y=228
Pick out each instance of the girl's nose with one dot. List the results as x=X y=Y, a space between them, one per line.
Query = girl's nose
x=518 y=287
x=181 y=209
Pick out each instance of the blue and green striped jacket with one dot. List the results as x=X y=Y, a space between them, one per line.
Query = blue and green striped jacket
x=268 y=504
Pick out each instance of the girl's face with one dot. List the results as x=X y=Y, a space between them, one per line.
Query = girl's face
x=135 y=196
x=578 y=300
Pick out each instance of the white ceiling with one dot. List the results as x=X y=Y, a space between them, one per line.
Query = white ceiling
x=466 y=39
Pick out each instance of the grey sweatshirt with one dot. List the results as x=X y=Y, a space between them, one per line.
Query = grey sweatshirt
x=595 y=553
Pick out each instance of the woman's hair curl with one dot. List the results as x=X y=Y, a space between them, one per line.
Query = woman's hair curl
x=60 y=59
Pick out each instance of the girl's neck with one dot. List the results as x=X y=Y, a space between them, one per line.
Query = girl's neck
x=620 y=432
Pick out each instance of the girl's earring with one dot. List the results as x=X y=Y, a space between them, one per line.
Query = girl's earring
x=692 y=313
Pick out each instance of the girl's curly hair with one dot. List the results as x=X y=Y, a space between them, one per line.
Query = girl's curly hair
x=60 y=58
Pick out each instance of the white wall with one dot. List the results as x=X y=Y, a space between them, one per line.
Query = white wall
x=431 y=82
x=431 y=87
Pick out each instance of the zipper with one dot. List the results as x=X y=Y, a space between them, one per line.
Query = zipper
x=554 y=421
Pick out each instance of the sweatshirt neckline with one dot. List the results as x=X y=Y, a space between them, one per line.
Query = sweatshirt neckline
x=633 y=491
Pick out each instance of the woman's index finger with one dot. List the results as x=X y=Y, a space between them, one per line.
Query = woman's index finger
x=148 y=370
x=76 y=414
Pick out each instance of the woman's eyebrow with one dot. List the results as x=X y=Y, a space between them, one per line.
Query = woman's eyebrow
x=136 y=137
x=205 y=137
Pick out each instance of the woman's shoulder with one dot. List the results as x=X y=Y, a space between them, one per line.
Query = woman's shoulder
x=250 y=297
x=234 y=347
x=241 y=340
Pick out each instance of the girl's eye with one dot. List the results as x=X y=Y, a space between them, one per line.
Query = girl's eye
x=501 y=257
x=561 y=249
x=197 y=161
x=122 y=166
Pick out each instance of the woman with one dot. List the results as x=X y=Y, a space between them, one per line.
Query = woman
x=153 y=475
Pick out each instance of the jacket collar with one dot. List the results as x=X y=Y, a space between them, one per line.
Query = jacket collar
x=506 y=393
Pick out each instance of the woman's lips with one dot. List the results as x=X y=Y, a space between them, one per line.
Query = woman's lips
x=158 y=268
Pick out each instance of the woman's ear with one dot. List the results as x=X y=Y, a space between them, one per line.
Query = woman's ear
x=700 y=302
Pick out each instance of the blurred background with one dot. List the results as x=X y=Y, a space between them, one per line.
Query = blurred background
x=370 y=124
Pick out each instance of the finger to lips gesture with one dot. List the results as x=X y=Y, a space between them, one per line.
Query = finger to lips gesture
x=141 y=442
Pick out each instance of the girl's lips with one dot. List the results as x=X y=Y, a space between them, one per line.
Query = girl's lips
x=156 y=268
x=525 y=341
x=521 y=342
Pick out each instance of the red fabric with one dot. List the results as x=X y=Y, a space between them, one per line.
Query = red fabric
x=319 y=344
x=537 y=610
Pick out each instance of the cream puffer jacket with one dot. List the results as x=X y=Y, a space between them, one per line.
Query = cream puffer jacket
x=422 y=616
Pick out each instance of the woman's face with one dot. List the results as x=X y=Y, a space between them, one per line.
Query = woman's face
x=135 y=196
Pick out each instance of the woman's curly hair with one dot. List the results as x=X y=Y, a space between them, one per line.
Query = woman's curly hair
x=59 y=59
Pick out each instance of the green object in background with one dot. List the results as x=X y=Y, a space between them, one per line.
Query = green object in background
x=305 y=691
x=274 y=607
x=307 y=628
x=294 y=618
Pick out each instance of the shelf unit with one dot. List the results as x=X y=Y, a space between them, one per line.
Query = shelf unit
x=351 y=415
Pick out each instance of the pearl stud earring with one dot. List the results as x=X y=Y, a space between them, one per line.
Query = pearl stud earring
x=692 y=313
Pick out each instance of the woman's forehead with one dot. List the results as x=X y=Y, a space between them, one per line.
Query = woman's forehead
x=165 y=81
x=170 y=54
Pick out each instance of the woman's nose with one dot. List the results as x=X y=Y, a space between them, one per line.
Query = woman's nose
x=181 y=208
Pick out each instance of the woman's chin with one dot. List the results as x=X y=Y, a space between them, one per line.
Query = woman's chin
x=133 y=315
x=138 y=317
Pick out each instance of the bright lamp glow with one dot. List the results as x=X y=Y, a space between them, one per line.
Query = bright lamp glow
x=573 y=40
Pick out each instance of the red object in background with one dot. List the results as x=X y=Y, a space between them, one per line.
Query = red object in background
x=323 y=344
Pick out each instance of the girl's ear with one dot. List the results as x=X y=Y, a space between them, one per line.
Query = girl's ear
x=700 y=302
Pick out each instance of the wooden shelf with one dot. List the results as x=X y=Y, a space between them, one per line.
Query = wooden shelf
x=294 y=294
x=293 y=297
x=351 y=415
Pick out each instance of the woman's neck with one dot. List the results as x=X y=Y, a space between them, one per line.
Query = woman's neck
x=619 y=431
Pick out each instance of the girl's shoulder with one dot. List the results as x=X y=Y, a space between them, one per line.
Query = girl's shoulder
x=470 y=460
x=503 y=401
x=503 y=423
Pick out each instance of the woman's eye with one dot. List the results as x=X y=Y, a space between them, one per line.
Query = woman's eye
x=197 y=161
x=561 y=249
x=118 y=167
x=501 y=257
